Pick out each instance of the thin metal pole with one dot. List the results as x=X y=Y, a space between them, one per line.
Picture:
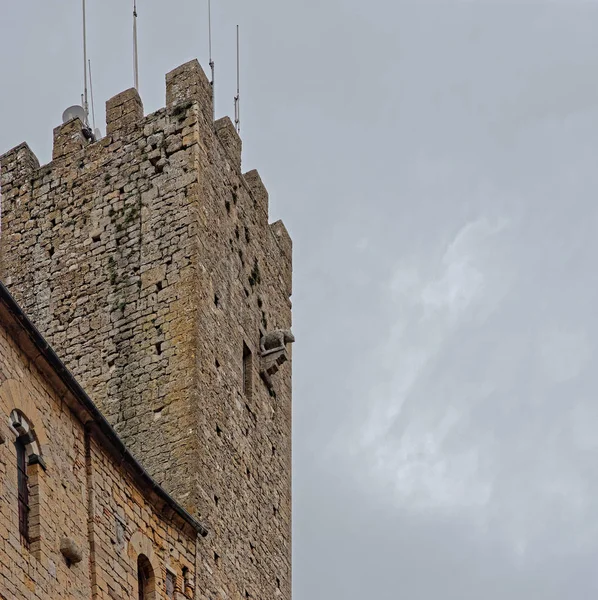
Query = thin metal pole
x=93 y=109
x=85 y=103
x=135 y=47
x=238 y=96
x=212 y=65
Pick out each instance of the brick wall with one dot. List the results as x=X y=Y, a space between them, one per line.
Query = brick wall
x=82 y=492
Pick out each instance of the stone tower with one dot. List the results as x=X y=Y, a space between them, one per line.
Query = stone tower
x=147 y=261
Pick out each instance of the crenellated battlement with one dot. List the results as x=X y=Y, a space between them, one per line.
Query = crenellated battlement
x=147 y=260
x=188 y=101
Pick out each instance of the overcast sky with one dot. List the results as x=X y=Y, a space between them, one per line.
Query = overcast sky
x=436 y=166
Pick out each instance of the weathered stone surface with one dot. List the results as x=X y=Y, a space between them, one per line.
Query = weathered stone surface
x=71 y=550
x=75 y=503
x=147 y=261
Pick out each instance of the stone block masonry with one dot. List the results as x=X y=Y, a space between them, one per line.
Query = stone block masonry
x=92 y=512
x=147 y=260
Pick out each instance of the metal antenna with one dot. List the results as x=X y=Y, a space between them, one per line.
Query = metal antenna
x=135 y=49
x=85 y=103
x=212 y=65
x=238 y=96
x=93 y=110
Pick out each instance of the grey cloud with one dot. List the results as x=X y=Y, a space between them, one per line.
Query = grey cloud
x=435 y=165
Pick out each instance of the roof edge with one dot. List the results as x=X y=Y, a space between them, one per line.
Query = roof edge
x=102 y=426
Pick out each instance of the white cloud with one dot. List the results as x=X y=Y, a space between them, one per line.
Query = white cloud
x=428 y=311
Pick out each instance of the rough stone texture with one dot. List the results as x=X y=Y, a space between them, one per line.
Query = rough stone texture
x=147 y=261
x=71 y=550
x=84 y=494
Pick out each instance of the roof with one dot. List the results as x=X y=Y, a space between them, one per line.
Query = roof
x=30 y=340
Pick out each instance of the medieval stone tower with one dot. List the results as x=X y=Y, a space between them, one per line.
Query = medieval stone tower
x=147 y=261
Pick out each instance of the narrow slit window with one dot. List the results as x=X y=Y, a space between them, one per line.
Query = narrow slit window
x=247 y=371
x=23 y=489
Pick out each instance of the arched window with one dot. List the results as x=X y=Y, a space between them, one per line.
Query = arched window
x=28 y=455
x=23 y=490
x=145 y=578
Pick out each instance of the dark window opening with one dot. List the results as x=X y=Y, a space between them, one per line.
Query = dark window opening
x=145 y=578
x=170 y=584
x=247 y=371
x=187 y=585
x=23 y=490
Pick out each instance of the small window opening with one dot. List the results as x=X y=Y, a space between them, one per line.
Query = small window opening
x=278 y=582
x=247 y=371
x=216 y=500
x=216 y=559
x=187 y=585
x=28 y=463
x=218 y=431
x=23 y=487
x=145 y=578
x=159 y=348
x=170 y=584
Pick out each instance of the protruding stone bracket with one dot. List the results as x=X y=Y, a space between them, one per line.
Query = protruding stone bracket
x=71 y=551
x=271 y=363
x=189 y=83
x=273 y=353
x=123 y=111
x=230 y=140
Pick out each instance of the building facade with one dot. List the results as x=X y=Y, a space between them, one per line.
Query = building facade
x=79 y=517
x=147 y=261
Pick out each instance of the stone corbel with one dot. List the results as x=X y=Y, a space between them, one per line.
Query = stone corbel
x=274 y=353
x=71 y=551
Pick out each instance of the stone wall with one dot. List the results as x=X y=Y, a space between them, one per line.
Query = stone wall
x=78 y=492
x=147 y=261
